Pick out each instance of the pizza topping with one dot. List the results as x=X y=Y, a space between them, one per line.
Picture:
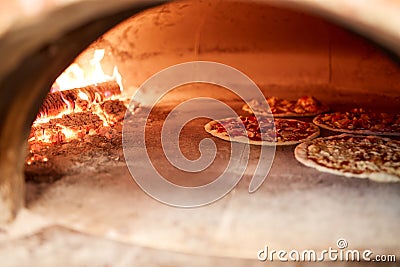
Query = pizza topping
x=304 y=106
x=309 y=103
x=360 y=120
x=314 y=149
x=266 y=129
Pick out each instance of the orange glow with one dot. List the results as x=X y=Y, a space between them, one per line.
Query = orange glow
x=75 y=76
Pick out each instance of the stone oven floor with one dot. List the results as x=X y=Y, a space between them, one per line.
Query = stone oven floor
x=96 y=215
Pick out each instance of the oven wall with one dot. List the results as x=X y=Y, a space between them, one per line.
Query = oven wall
x=277 y=48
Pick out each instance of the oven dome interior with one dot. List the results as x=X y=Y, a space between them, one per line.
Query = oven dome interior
x=284 y=52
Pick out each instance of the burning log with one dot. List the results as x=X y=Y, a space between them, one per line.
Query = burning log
x=61 y=101
x=100 y=119
x=114 y=110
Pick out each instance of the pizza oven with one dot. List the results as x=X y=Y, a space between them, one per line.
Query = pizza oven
x=88 y=89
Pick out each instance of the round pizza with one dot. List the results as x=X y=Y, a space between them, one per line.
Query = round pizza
x=266 y=131
x=359 y=121
x=305 y=106
x=359 y=156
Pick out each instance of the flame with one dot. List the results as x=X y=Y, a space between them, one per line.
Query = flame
x=83 y=96
x=75 y=76
x=68 y=133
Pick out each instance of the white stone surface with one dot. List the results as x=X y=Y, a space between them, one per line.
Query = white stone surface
x=59 y=246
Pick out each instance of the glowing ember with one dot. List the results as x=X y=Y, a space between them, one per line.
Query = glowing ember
x=76 y=125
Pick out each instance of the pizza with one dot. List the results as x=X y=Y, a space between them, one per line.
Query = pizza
x=373 y=157
x=359 y=121
x=266 y=131
x=303 y=107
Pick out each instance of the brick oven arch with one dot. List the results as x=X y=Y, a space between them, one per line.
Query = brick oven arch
x=36 y=52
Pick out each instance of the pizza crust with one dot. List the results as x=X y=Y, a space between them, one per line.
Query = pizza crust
x=245 y=140
x=301 y=155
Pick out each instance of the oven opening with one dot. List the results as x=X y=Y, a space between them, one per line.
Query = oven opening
x=105 y=125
